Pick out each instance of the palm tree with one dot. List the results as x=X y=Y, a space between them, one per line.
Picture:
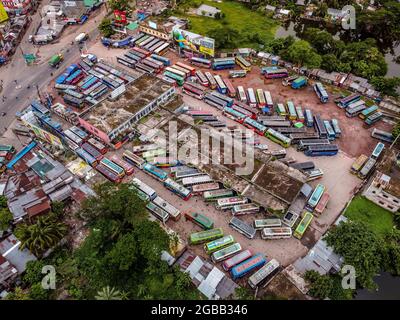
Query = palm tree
x=42 y=235
x=108 y=293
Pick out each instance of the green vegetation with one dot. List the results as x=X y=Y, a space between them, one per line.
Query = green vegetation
x=327 y=286
x=396 y=130
x=105 y=28
x=377 y=218
x=238 y=26
x=386 y=85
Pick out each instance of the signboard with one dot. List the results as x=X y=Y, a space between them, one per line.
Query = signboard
x=120 y=17
x=3 y=13
x=195 y=42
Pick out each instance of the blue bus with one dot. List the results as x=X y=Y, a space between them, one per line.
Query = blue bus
x=72 y=68
x=309 y=118
x=157 y=173
x=248 y=265
x=223 y=63
x=89 y=83
x=229 y=101
x=321 y=92
x=336 y=128
x=322 y=150
x=162 y=59
x=329 y=130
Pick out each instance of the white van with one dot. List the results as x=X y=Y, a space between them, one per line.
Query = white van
x=81 y=37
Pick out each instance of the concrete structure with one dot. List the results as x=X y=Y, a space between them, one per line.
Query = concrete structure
x=107 y=120
x=9 y=249
x=19 y=6
x=207 y=11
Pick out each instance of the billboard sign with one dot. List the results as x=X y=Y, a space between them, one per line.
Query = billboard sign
x=3 y=13
x=194 y=42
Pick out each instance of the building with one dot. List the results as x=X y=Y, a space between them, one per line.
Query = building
x=108 y=120
x=207 y=11
x=19 y=7
x=10 y=250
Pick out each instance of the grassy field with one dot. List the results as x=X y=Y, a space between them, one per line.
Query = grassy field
x=237 y=16
x=361 y=209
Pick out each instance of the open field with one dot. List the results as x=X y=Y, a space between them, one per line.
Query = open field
x=377 y=218
x=238 y=17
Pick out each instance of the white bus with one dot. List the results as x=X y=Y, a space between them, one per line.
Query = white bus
x=245 y=208
x=166 y=206
x=276 y=233
x=144 y=188
x=242 y=227
x=267 y=223
x=133 y=159
x=252 y=97
x=188 y=182
x=226 y=252
x=268 y=99
x=146 y=147
x=263 y=273
x=200 y=188
x=229 y=203
x=241 y=94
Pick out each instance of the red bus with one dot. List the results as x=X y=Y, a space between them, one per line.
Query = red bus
x=98 y=145
x=193 y=89
x=140 y=50
x=185 y=66
x=92 y=151
x=128 y=168
x=230 y=88
x=202 y=78
x=108 y=173
x=246 y=107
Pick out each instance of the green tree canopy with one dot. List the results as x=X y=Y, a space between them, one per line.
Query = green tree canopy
x=386 y=85
x=105 y=27
x=302 y=54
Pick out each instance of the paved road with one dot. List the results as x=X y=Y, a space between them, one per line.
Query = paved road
x=17 y=76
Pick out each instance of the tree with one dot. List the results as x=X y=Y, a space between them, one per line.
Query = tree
x=243 y=293
x=57 y=207
x=108 y=293
x=396 y=130
x=360 y=248
x=387 y=86
x=33 y=273
x=5 y=218
x=124 y=253
x=3 y=202
x=18 y=294
x=302 y=54
x=326 y=286
x=38 y=293
x=330 y=63
x=105 y=27
x=121 y=5
x=42 y=235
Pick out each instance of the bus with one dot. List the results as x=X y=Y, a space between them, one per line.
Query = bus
x=173 y=212
x=86 y=156
x=292 y=110
x=368 y=112
x=268 y=99
x=162 y=59
x=329 y=130
x=178 y=189
x=260 y=98
x=211 y=80
x=241 y=94
x=247 y=266
x=297 y=137
x=200 y=62
x=128 y=168
x=138 y=184
x=322 y=203
x=309 y=118
x=242 y=227
x=236 y=259
x=255 y=126
x=229 y=203
x=187 y=67
x=314 y=174
x=230 y=89
x=133 y=159
x=73 y=94
x=336 y=128
x=344 y=102
x=202 y=78
x=319 y=124
x=226 y=252
x=374 y=118
x=367 y=168
x=183 y=70
x=377 y=150
x=315 y=196
x=218 y=244
x=157 y=173
x=321 y=150
x=146 y=147
x=217 y=194
x=204 y=236
x=200 y=188
x=106 y=172
x=113 y=167
x=7 y=148
x=321 y=92
x=151 y=154
x=300 y=114
x=263 y=273
x=99 y=146
x=193 y=90
x=281 y=110
x=191 y=181
x=88 y=148
x=278 y=137
x=243 y=111
x=267 y=223
x=382 y=135
x=352 y=112
x=304 y=144
x=233 y=114
x=190 y=172
x=178 y=79
x=162 y=49
x=273 y=233
x=175 y=71
x=237 y=73
x=221 y=87
x=251 y=98
x=303 y=225
x=358 y=164
x=223 y=63
x=276 y=73
x=245 y=209
x=243 y=63
x=201 y=220
x=215 y=101
x=229 y=101
x=165 y=162
x=159 y=213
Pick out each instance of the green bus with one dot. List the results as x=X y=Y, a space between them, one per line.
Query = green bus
x=204 y=236
x=303 y=225
x=281 y=110
x=278 y=137
x=201 y=220
x=226 y=252
x=218 y=244
x=7 y=148
x=179 y=80
x=216 y=194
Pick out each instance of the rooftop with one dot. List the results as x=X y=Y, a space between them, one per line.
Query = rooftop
x=109 y=115
x=9 y=249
